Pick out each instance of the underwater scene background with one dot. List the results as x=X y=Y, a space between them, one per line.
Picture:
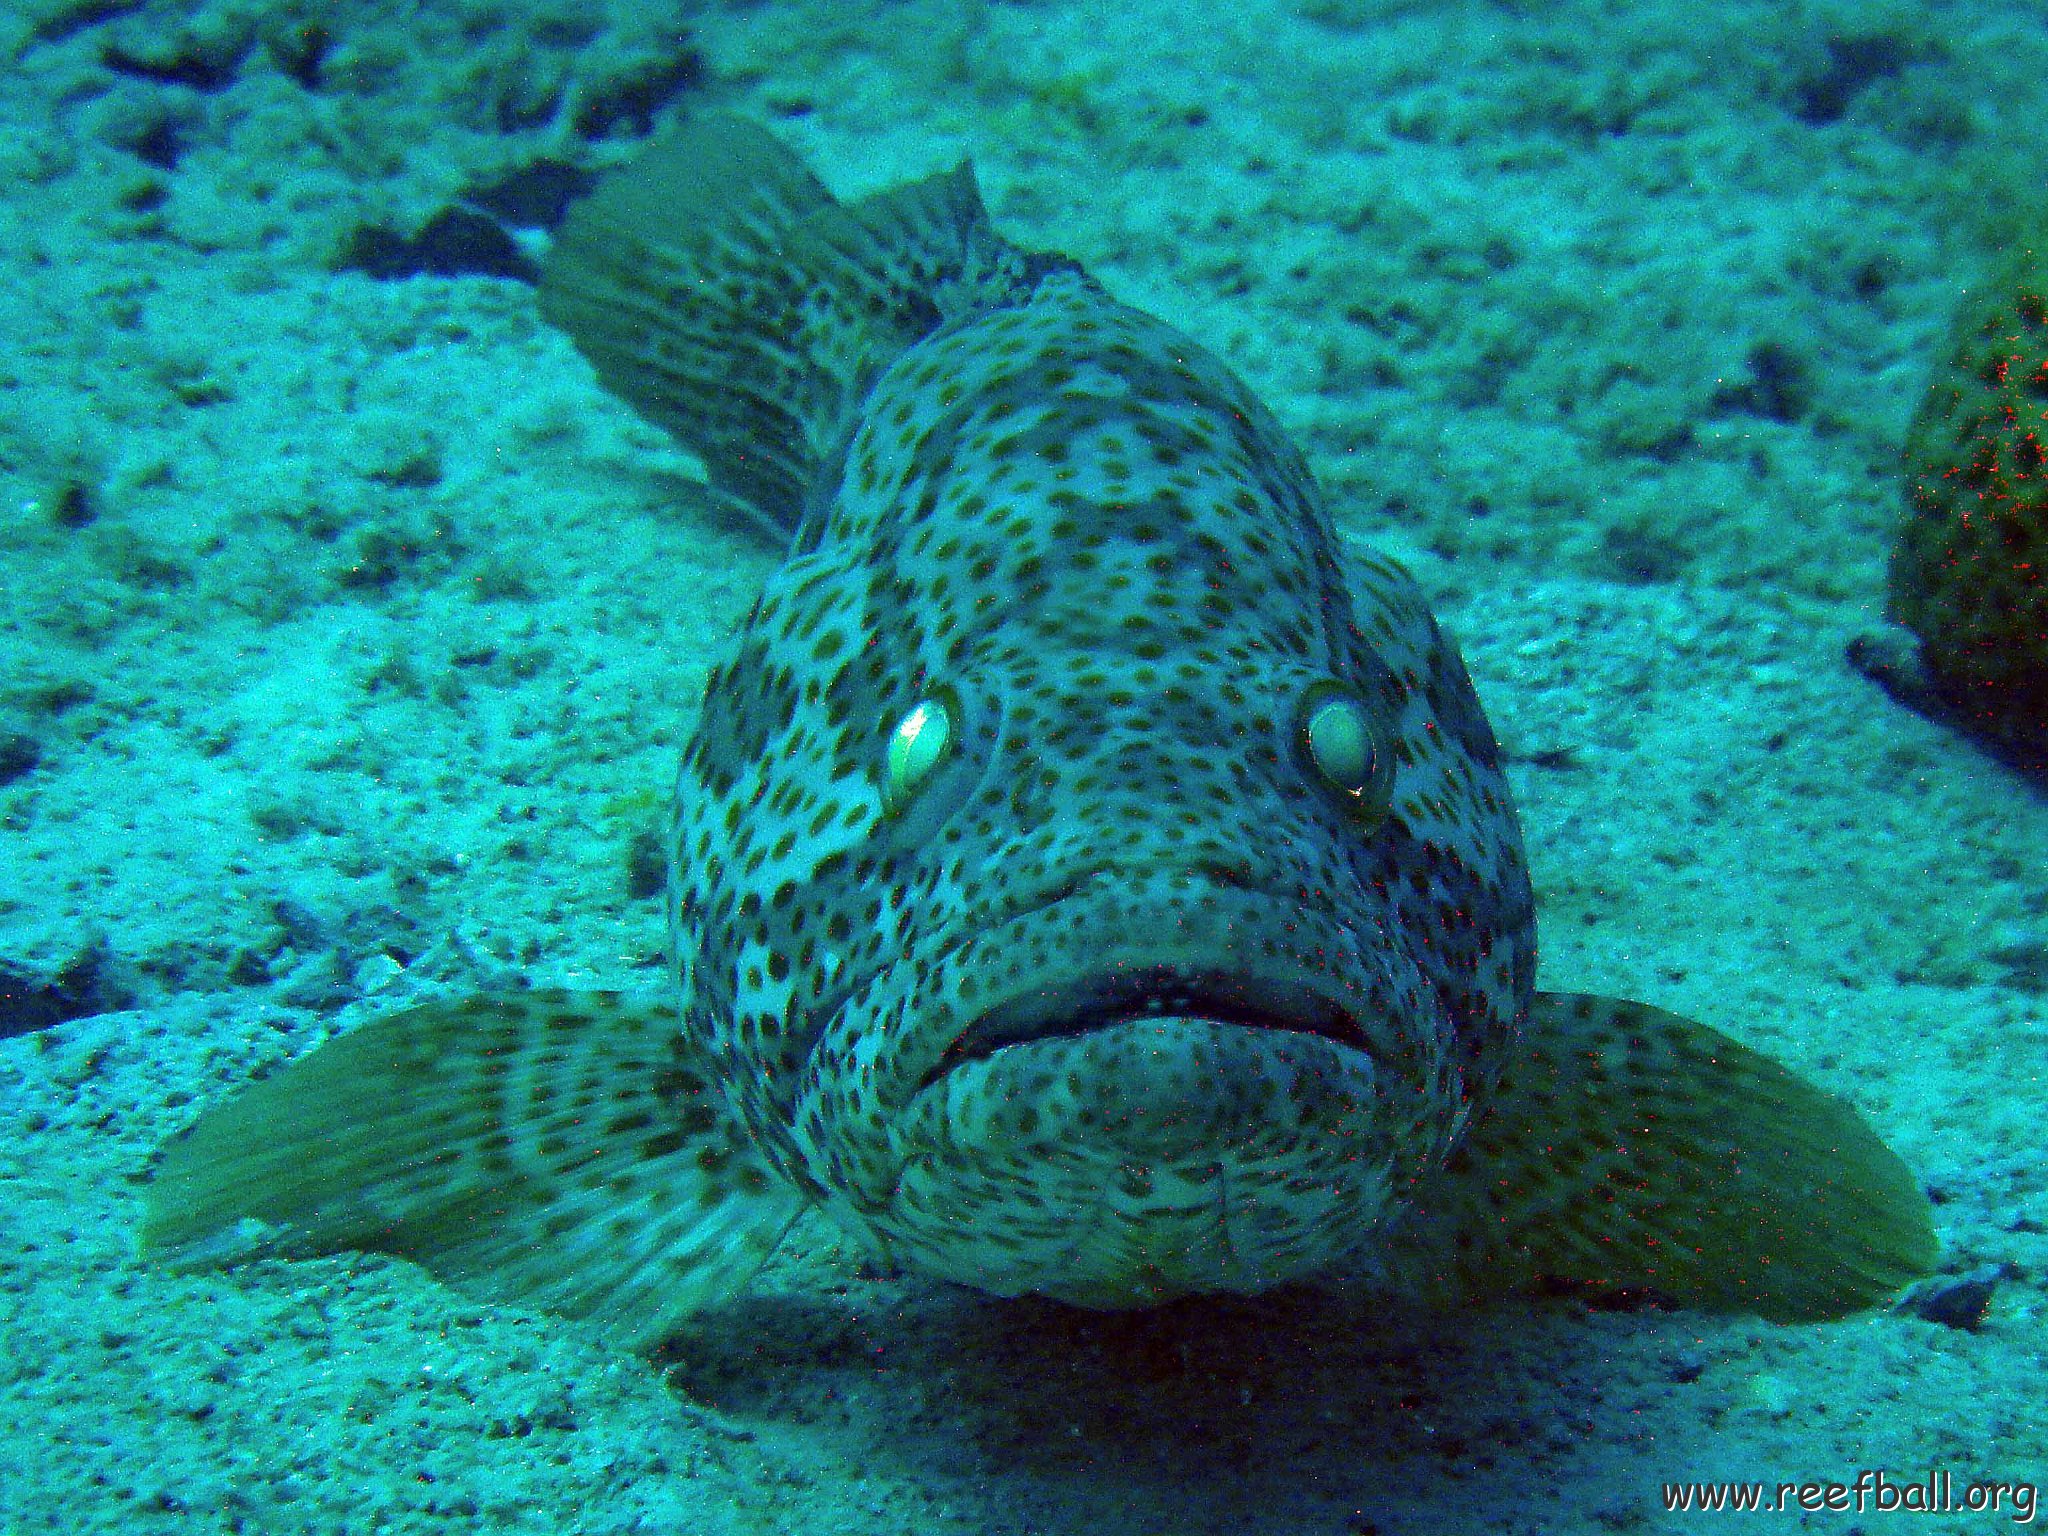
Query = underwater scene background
x=352 y=632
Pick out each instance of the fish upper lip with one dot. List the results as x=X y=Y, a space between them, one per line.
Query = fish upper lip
x=1131 y=993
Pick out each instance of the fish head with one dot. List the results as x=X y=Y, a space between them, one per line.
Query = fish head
x=1081 y=893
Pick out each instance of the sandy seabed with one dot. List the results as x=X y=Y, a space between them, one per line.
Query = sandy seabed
x=350 y=634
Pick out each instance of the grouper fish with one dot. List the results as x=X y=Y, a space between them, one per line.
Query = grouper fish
x=1083 y=882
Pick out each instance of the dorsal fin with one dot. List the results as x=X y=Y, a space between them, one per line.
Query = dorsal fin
x=717 y=287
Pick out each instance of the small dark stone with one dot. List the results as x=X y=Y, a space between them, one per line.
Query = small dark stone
x=1686 y=1365
x=300 y=50
x=26 y=1003
x=1871 y=277
x=378 y=251
x=459 y=242
x=58 y=698
x=160 y=143
x=1957 y=1301
x=74 y=506
x=19 y=756
x=646 y=866
x=1853 y=63
x=207 y=65
x=74 y=16
x=535 y=196
x=86 y=986
x=639 y=94
x=1781 y=388
x=456 y=242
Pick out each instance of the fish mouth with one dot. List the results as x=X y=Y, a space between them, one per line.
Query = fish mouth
x=1138 y=993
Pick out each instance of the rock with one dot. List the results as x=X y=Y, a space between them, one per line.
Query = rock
x=92 y=982
x=1956 y=1301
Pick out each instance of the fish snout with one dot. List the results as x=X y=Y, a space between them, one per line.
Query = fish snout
x=1203 y=1045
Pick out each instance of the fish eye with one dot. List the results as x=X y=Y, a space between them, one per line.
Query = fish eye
x=919 y=744
x=1337 y=737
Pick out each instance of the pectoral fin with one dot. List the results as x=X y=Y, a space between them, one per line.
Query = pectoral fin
x=1629 y=1149
x=555 y=1149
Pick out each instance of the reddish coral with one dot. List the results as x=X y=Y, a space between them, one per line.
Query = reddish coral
x=1970 y=574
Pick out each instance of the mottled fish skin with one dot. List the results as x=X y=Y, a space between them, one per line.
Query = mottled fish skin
x=1083 y=882
x=1077 y=529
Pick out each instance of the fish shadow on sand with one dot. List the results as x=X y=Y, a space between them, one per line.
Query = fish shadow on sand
x=1216 y=1393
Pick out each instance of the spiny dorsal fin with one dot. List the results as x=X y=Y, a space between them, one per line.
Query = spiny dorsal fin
x=1630 y=1149
x=717 y=287
x=550 y=1148
x=924 y=252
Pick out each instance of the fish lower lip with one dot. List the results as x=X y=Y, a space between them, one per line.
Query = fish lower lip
x=1139 y=993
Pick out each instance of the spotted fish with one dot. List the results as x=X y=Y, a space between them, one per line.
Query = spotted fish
x=1083 y=883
